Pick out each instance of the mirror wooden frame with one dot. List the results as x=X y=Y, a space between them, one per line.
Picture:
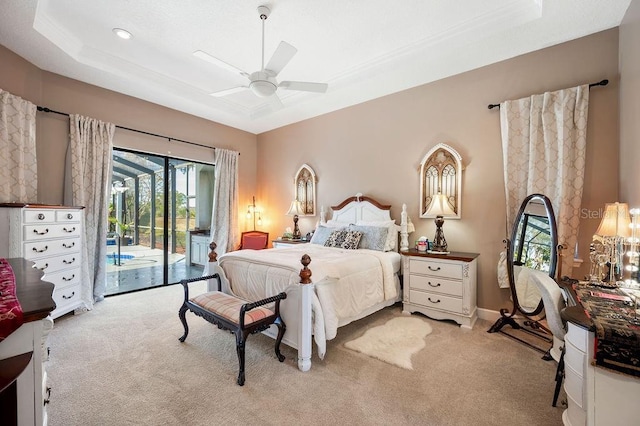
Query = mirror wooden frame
x=305 y=189
x=441 y=171
x=531 y=323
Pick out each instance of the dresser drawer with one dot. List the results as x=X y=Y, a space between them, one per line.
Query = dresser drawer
x=436 y=285
x=63 y=279
x=57 y=263
x=578 y=336
x=439 y=269
x=574 y=358
x=63 y=216
x=574 y=385
x=36 y=249
x=49 y=230
x=434 y=300
x=38 y=215
x=66 y=296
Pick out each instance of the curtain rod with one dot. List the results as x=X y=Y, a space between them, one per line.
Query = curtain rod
x=600 y=83
x=170 y=139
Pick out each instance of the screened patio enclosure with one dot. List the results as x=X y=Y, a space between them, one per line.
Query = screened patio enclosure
x=156 y=203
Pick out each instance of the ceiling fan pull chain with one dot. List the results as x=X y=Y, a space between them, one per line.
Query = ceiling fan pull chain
x=263 y=17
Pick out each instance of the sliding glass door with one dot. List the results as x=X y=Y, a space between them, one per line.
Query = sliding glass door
x=153 y=215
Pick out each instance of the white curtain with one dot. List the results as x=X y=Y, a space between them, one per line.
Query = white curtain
x=544 y=140
x=87 y=183
x=224 y=216
x=18 y=166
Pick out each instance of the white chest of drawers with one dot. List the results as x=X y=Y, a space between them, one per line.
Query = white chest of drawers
x=441 y=286
x=595 y=395
x=51 y=237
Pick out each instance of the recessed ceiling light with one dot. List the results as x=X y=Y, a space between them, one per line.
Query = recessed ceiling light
x=122 y=33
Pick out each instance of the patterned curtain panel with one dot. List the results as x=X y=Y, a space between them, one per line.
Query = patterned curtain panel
x=544 y=140
x=224 y=219
x=18 y=166
x=88 y=183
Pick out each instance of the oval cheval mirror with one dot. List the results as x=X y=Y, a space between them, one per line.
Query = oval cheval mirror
x=532 y=245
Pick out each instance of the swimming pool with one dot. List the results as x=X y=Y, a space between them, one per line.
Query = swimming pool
x=113 y=257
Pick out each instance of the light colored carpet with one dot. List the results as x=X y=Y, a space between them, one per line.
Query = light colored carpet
x=394 y=342
x=122 y=364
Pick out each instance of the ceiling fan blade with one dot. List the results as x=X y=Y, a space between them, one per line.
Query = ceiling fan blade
x=222 y=64
x=226 y=92
x=281 y=57
x=304 y=86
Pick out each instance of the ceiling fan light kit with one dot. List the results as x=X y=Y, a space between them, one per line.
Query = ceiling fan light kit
x=263 y=83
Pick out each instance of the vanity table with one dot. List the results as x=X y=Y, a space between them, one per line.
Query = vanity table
x=596 y=395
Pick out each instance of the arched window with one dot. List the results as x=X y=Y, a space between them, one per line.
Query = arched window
x=441 y=172
x=305 y=189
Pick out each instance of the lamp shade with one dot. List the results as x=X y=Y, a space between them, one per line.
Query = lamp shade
x=615 y=221
x=295 y=209
x=440 y=206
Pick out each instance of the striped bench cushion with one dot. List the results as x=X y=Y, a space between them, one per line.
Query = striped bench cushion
x=229 y=307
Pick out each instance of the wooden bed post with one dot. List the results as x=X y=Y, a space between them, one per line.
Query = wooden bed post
x=305 y=332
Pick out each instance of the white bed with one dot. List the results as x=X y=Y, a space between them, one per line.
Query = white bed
x=347 y=284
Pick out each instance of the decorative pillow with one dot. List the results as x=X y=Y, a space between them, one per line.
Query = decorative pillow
x=351 y=240
x=392 y=233
x=321 y=235
x=336 y=238
x=373 y=237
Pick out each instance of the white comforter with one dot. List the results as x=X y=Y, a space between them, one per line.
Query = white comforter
x=347 y=282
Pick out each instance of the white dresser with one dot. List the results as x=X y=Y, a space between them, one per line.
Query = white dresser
x=595 y=395
x=440 y=286
x=51 y=237
x=30 y=390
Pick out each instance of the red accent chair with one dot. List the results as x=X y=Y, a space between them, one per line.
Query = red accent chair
x=256 y=240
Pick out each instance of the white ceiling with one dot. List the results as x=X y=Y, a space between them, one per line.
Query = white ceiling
x=362 y=49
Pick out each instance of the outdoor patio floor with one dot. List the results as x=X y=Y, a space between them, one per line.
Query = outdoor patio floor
x=144 y=270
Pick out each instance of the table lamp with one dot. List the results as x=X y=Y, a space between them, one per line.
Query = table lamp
x=614 y=227
x=294 y=210
x=439 y=207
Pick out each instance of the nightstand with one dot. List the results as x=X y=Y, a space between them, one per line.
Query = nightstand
x=441 y=286
x=280 y=243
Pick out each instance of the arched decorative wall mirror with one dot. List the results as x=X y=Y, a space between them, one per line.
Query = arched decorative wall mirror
x=532 y=246
x=441 y=172
x=305 y=189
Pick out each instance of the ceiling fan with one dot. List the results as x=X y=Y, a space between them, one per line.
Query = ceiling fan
x=263 y=83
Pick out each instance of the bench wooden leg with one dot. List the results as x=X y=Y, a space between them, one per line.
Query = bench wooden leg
x=281 y=329
x=240 y=343
x=183 y=319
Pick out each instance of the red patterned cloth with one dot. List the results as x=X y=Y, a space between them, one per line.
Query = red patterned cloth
x=10 y=310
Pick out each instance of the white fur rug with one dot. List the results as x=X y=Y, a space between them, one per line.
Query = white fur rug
x=393 y=342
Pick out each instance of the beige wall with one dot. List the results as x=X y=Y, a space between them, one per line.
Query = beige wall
x=376 y=147
x=71 y=96
x=630 y=105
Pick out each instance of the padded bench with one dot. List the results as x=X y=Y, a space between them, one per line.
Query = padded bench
x=233 y=314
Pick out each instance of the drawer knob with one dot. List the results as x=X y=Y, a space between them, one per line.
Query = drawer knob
x=40 y=250
x=64 y=296
x=437 y=284
x=65 y=245
x=434 y=269
x=46 y=265
x=69 y=216
x=68 y=262
x=69 y=230
x=46 y=401
x=69 y=279
x=433 y=301
x=46 y=231
x=40 y=216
